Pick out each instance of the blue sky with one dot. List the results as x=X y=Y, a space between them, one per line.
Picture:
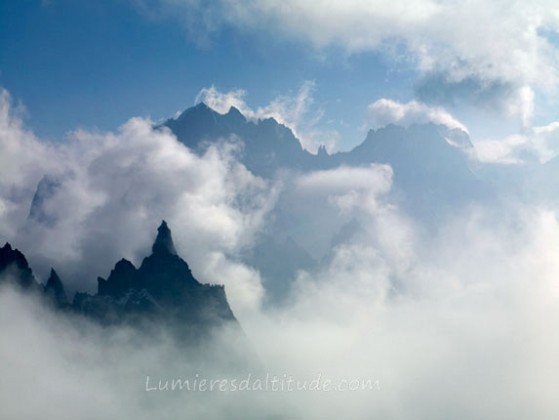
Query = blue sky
x=94 y=65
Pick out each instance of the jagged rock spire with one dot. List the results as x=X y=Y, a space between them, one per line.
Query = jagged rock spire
x=164 y=241
x=55 y=288
x=13 y=263
x=122 y=278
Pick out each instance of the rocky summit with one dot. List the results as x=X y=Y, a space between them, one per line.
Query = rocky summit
x=15 y=269
x=162 y=291
x=163 y=287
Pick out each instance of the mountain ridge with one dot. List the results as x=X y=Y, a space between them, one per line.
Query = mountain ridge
x=430 y=161
x=162 y=289
x=270 y=145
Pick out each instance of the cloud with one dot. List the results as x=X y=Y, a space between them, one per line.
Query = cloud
x=465 y=308
x=386 y=111
x=113 y=189
x=374 y=179
x=294 y=111
x=223 y=101
x=496 y=97
x=476 y=298
x=23 y=160
x=63 y=366
x=536 y=144
x=437 y=316
x=490 y=43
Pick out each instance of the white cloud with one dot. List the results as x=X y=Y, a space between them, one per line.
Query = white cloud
x=499 y=151
x=386 y=111
x=223 y=101
x=463 y=308
x=499 y=42
x=114 y=189
x=522 y=104
x=294 y=111
x=477 y=298
x=23 y=160
x=437 y=316
x=348 y=188
x=536 y=144
x=70 y=367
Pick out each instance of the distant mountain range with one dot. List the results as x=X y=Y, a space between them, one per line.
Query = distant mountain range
x=161 y=291
x=430 y=161
x=432 y=178
x=426 y=149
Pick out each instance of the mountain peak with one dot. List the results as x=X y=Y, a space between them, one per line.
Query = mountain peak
x=55 y=289
x=14 y=263
x=201 y=105
x=322 y=151
x=234 y=115
x=164 y=241
x=200 y=110
x=234 y=110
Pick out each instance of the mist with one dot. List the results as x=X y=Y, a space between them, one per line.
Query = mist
x=453 y=322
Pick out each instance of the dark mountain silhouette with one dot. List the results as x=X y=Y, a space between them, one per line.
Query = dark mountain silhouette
x=122 y=278
x=268 y=145
x=15 y=269
x=431 y=171
x=425 y=151
x=432 y=177
x=54 y=289
x=163 y=287
x=46 y=189
x=162 y=291
x=429 y=160
x=421 y=149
